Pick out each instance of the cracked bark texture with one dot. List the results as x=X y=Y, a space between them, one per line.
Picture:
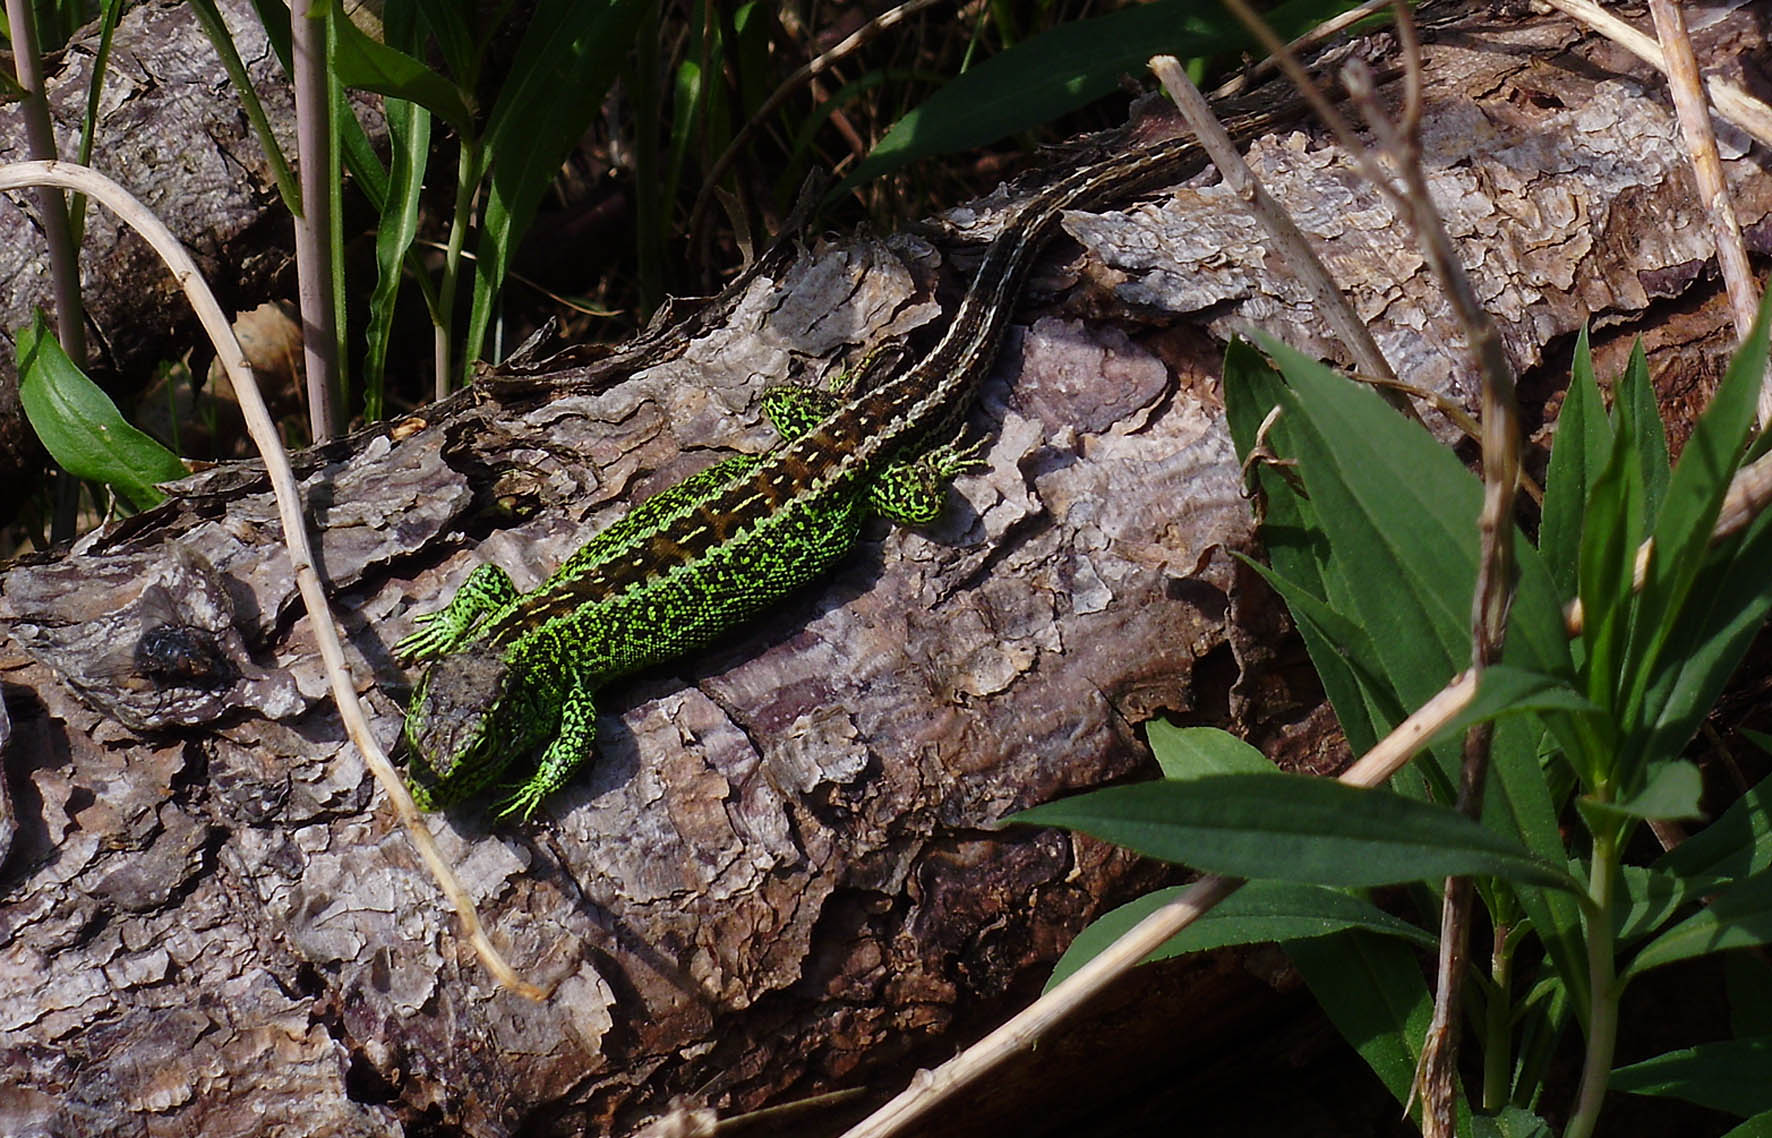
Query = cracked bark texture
x=783 y=874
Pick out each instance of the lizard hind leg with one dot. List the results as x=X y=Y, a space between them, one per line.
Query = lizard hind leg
x=912 y=491
x=794 y=411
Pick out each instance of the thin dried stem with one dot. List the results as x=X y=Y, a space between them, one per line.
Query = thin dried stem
x=1732 y=102
x=1291 y=242
x=1326 y=30
x=1707 y=170
x=1326 y=111
x=313 y=225
x=931 y=1088
x=263 y=430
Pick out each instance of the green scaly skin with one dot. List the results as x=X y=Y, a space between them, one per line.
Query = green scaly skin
x=512 y=674
x=476 y=710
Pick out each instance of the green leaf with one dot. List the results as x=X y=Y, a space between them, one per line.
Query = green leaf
x=1734 y=1076
x=1259 y=912
x=1639 y=416
x=1611 y=531
x=1295 y=828
x=1650 y=899
x=1759 y=1126
x=81 y=428
x=1064 y=68
x=273 y=16
x=1345 y=658
x=448 y=22
x=1725 y=608
x=1399 y=512
x=1578 y=450
x=1683 y=529
x=1372 y=989
x=1739 y=917
x=1512 y=1122
x=1387 y=511
x=1189 y=752
x=1736 y=845
x=366 y=65
x=409 y=132
x=1672 y=793
x=1518 y=789
x=563 y=67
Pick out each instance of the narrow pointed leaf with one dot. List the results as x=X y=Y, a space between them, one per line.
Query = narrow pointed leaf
x=1737 y=845
x=1578 y=450
x=1372 y=989
x=1672 y=794
x=568 y=57
x=1759 y=1126
x=1734 y=1076
x=1650 y=899
x=1259 y=912
x=1639 y=413
x=366 y=65
x=1190 y=752
x=1725 y=607
x=409 y=133
x=1295 y=828
x=1739 y=917
x=1511 y=1122
x=1694 y=498
x=1067 y=67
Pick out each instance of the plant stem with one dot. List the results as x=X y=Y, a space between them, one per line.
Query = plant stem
x=1497 y=1054
x=467 y=180
x=313 y=226
x=1602 y=1016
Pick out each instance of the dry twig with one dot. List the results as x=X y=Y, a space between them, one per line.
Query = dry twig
x=1732 y=102
x=263 y=430
x=1707 y=170
x=1291 y=242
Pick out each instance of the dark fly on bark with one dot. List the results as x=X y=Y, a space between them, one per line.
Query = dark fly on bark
x=149 y=638
x=178 y=654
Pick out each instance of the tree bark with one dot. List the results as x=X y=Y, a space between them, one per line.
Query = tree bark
x=784 y=874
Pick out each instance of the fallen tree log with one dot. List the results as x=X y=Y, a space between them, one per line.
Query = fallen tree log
x=783 y=874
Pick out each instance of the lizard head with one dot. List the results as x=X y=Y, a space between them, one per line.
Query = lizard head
x=453 y=728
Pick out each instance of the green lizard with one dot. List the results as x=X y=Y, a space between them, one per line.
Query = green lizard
x=512 y=674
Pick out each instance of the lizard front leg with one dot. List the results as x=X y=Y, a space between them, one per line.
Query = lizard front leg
x=487 y=588
x=572 y=746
